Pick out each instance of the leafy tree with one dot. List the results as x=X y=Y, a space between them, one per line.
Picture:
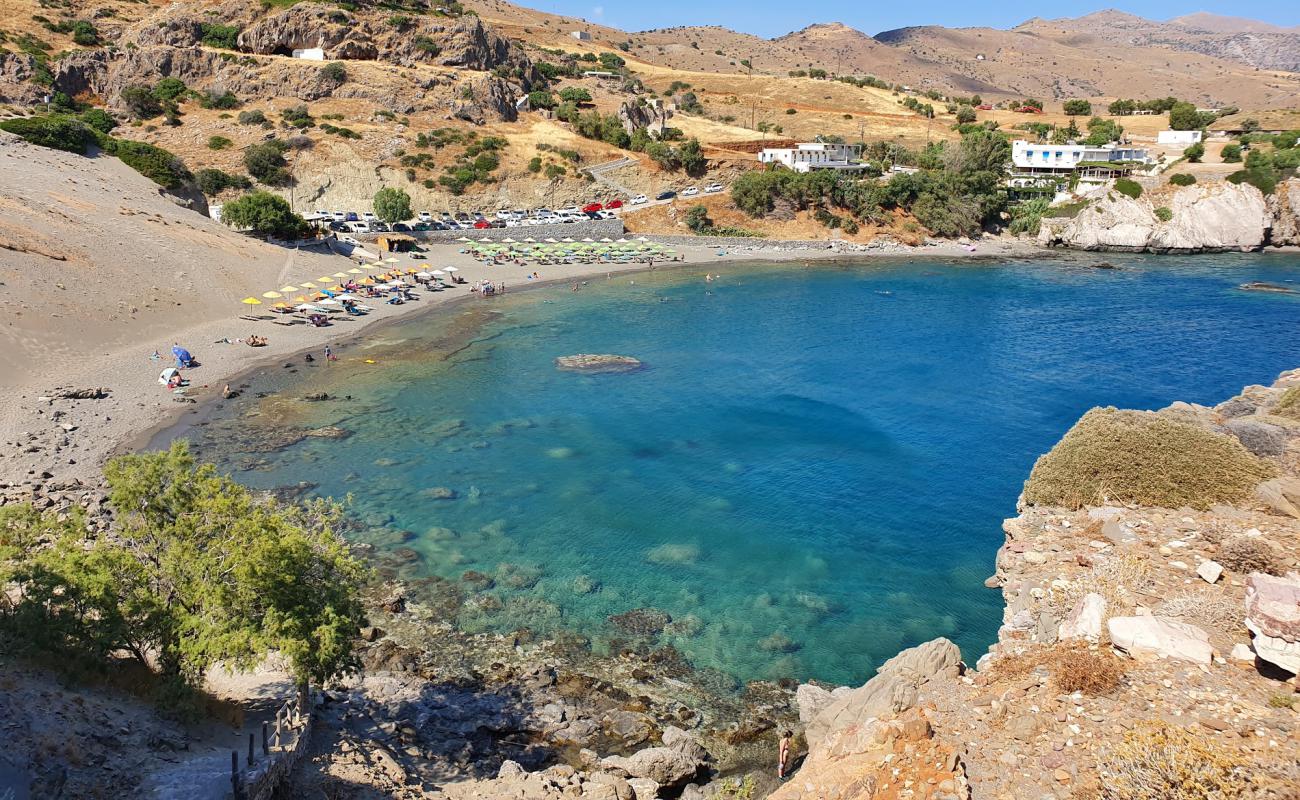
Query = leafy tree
x=541 y=99
x=1121 y=108
x=611 y=62
x=84 y=33
x=1195 y=153
x=392 y=205
x=141 y=102
x=1078 y=108
x=663 y=155
x=1184 y=117
x=691 y=156
x=266 y=163
x=213 y=182
x=216 y=35
x=697 y=218
x=254 y=117
x=199 y=572
x=965 y=115
x=1249 y=125
x=575 y=94
x=99 y=119
x=264 y=213
x=169 y=89
x=1103 y=131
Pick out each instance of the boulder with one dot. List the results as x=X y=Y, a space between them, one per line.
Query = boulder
x=1273 y=604
x=644 y=788
x=1210 y=571
x=1085 y=620
x=1118 y=533
x=665 y=766
x=1242 y=652
x=1282 y=495
x=684 y=743
x=607 y=786
x=1160 y=637
x=1260 y=438
x=891 y=692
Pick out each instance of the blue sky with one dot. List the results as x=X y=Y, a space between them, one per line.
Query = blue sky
x=775 y=17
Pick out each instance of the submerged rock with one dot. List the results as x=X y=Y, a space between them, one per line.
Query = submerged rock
x=1261 y=286
x=594 y=363
x=641 y=621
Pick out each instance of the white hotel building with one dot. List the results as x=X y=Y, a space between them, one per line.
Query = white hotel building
x=807 y=156
x=1047 y=165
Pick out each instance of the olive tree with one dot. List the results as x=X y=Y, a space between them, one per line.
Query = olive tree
x=392 y=205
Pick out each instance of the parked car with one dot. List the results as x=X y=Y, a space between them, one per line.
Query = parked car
x=421 y=226
x=592 y=208
x=368 y=215
x=614 y=204
x=339 y=216
x=668 y=195
x=425 y=216
x=378 y=227
x=351 y=216
x=713 y=187
x=401 y=227
x=481 y=224
x=690 y=191
x=638 y=200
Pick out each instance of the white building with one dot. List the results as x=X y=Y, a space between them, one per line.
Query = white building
x=1039 y=167
x=582 y=36
x=1179 y=137
x=310 y=53
x=807 y=156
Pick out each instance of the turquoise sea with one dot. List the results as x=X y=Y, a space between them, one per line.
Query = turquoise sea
x=811 y=471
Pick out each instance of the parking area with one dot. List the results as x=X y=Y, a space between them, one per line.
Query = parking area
x=367 y=222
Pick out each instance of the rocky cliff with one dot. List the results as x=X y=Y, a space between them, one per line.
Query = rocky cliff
x=1284 y=205
x=1212 y=217
x=1142 y=639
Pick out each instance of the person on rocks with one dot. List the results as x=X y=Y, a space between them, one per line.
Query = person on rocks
x=783 y=754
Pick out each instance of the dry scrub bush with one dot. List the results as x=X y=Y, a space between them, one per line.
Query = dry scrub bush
x=1157 y=761
x=1014 y=666
x=1119 y=579
x=1207 y=607
x=1075 y=668
x=1289 y=404
x=1146 y=458
x=1247 y=554
x=1216 y=530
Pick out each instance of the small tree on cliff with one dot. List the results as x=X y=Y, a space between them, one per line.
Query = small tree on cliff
x=264 y=213
x=200 y=571
x=392 y=205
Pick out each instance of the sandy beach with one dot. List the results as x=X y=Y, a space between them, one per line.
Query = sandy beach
x=70 y=439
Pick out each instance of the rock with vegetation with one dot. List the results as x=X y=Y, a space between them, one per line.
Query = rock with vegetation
x=1212 y=217
x=1150 y=458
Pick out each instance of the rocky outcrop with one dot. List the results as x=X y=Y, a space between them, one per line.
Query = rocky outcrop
x=16 y=71
x=1284 y=205
x=892 y=691
x=1212 y=217
x=637 y=113
x=1155 y=637
x=488 y=98
x=592 y=363
x=1273 y=618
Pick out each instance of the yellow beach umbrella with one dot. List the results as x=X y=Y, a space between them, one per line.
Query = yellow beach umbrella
x=251 y=301
x=308 y=285
x=325 y=279
x=354 y=271
x=336 y=288
x=288 y=289
x=271 y=295
x=302 y=298
x=280 y=305
x=340 y=274
x=390 y=260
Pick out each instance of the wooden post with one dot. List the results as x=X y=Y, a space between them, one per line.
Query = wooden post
x=250 y=749
x=234 y=772
x=266 y=749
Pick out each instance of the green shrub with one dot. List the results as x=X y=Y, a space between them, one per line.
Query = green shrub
x=264 y=213
x=55 y=130
x=266 y=163
x=218 y=143
x=535 y=164
x=1145 y=458
x=141 y=102
x=554 y=171
x=1231 y=153
x=225 y=100
x=1027 y=217
x=1077 y=108
x=213 y=181
x=1195 y=153
x=1288 y=405
x=1182 y=179
x=541 y=99
x=169 y=89
x=158 y=165
x=1262 y=178
x=1128 y=188
x=84 y=33
x=1164 y=214
x=216 y=35
x=334 y=72
x=254 y=117
x=697 y=218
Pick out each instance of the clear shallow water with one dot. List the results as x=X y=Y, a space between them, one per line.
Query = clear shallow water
x=810 y=474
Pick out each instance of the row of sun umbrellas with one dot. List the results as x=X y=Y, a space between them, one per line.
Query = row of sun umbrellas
x=327 y=291
x=565 y=249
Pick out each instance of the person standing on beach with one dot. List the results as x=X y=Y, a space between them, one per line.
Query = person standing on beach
x=783 y=755
x=329 y=354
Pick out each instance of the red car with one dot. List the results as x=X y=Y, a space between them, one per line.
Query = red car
x=481 y=224
x=612 y=204
x=592 y=208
